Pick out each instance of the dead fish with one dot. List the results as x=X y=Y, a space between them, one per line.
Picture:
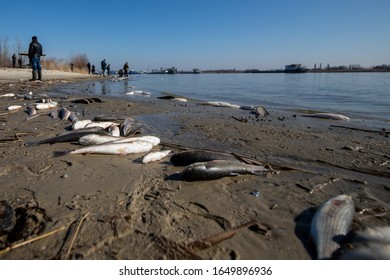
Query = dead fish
x=31 y=111
x=155 y=156
x=7 y=217
x=69 y=136
x=14 y=107
x=371 y=243
x=330 y=224
x=109 y=118
x=114 y=131
x=54 y=114
x=127 y=126
x=64 y=113
x=112 y=149
x=74 y=117
x=366 y=251
x=45 y=106
x=80 y=124
x=260 y=111
x=101 y=124
x=219 y=104
x=95 y=139
x=8 y=95
x=218 y=169
x=136 y=92
x=328 y=116
x=375 y=234
x=189 y=157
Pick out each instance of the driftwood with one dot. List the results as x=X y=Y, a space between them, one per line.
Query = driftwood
x=360 y=129
x=217 y=238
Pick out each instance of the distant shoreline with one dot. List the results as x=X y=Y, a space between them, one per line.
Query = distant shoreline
x=255 y=71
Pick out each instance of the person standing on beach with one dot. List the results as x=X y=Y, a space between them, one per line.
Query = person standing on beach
x=34 y=54
x=104 y=64
x=13 y=60
x=108 y=69
x=126 y=69
x=89 y=68
x=93 y=69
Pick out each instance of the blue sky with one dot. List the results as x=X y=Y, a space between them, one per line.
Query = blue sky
x=205 y=34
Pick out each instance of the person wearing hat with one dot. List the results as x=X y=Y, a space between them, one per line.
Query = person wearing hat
x=34 y=54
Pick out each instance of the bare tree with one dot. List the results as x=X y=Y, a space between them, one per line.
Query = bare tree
x=19 y=45
x=79 y=62
x=5 y=60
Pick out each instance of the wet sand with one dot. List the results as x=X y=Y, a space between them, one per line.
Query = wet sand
x=113 y=207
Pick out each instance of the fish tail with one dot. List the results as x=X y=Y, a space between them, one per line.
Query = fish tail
x=61 y=153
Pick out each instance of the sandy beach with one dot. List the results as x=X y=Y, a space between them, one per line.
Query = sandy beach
x=114 y=207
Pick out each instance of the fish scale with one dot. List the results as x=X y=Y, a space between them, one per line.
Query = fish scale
x=330 y=223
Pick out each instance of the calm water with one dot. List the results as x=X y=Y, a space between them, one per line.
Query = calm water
x=358 y=95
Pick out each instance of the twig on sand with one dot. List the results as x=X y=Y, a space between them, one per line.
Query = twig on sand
x=15 y=246
x=75 y=235
x=35 y=116
x=10 y=112
x=360 y=129
x=217 y=238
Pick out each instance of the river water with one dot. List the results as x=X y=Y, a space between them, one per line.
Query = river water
x=357 y=95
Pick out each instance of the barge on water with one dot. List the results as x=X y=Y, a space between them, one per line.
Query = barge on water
x=295 y=68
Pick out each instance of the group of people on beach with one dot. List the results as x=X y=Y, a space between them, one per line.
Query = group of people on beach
x=35 y=53
x=106 y=69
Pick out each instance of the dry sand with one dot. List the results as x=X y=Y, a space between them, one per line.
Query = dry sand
x=113 y=207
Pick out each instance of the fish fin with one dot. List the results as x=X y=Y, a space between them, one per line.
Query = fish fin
x=259 y=172
x=234 y=174
x=61 y=153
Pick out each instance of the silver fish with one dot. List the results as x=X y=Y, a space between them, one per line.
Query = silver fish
x=330 y=116
x=69 y=136
x=114 y=131
x=127 y=126
x=155 y=156
x=31 y=110
x=64 y=113
x=73 y=117
x=330 y=224
x=373 y=234
x=366 y=251
x=189 y=157
x=115 y=148
x=218 y=169
x=95 y=139
x=109 y=118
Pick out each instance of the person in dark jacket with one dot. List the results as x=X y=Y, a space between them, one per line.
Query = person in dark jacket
x=108 y=69
x=126 y=69
x=14 y=60
x=89 y=68
x=34 y=54
x=104 y=64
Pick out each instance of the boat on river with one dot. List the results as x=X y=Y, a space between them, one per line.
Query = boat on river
x=295 y=68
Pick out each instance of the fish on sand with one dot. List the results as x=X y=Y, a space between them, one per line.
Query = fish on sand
x=189 y=157
x=69 y=136
x=155 y=156
x=217 y=169
x=330 y=224
x=112 y=149
x=330 y=116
